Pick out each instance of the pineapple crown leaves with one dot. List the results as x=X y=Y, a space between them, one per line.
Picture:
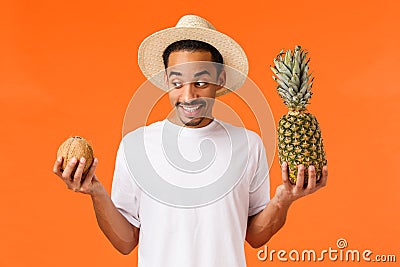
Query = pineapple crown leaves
x=293 y=81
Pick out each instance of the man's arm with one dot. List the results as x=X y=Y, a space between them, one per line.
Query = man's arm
x=262 y=226
x=122 y=235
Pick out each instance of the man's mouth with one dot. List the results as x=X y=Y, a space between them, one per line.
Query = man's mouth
x=191 y=110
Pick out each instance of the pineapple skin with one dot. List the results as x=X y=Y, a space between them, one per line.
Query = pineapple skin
x=300 y=142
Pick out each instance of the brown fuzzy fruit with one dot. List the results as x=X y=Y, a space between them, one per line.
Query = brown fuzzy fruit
x=77 y=147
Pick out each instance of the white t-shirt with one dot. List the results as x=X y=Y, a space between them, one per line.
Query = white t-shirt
x=211 y=234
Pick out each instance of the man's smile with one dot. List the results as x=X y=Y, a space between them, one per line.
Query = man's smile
x=191 y=110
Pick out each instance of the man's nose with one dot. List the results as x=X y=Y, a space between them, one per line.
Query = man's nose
x=188 y=92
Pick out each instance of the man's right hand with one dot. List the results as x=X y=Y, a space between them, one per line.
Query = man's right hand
x=87 y=184
x=122 y=235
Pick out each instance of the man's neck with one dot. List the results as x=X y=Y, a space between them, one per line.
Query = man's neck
x=204 y=122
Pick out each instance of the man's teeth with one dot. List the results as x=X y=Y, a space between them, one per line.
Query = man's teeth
x=191 y=108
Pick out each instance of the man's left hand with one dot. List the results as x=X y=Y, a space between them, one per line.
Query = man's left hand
x=287 y=193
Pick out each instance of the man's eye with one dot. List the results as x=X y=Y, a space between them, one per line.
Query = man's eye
x=177 y=84
x=200 y=84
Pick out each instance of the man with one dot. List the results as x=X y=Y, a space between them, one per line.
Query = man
x=190 y=229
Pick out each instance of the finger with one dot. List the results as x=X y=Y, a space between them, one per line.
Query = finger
x=90 y=175
x=324 y=177
x=300 y=177
x=285 y=174
x=312 y=178
x=78 y=174
x=66 y=175
x=57 y=166
x=92 y=168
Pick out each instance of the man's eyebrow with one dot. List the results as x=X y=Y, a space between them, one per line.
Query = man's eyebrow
x=201 y=73
x=174 y=73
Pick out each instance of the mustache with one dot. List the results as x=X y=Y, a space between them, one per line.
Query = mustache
x=190 y=103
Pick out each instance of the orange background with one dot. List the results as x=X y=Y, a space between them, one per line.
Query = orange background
x=69 y=67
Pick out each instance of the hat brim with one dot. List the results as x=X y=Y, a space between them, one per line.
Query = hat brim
x=151 y=49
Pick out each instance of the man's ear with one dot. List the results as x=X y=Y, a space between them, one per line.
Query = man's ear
x=221 y=79
x=165 y=78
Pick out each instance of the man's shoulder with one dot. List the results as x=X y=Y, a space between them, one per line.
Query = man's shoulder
x=250 y=134
x=153 y=127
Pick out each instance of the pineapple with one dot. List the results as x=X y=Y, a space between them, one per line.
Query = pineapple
x=299 y=135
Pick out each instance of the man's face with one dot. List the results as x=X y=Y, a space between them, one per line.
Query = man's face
x=192 y=86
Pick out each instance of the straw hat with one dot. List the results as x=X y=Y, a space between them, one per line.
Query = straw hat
x=191 y=27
